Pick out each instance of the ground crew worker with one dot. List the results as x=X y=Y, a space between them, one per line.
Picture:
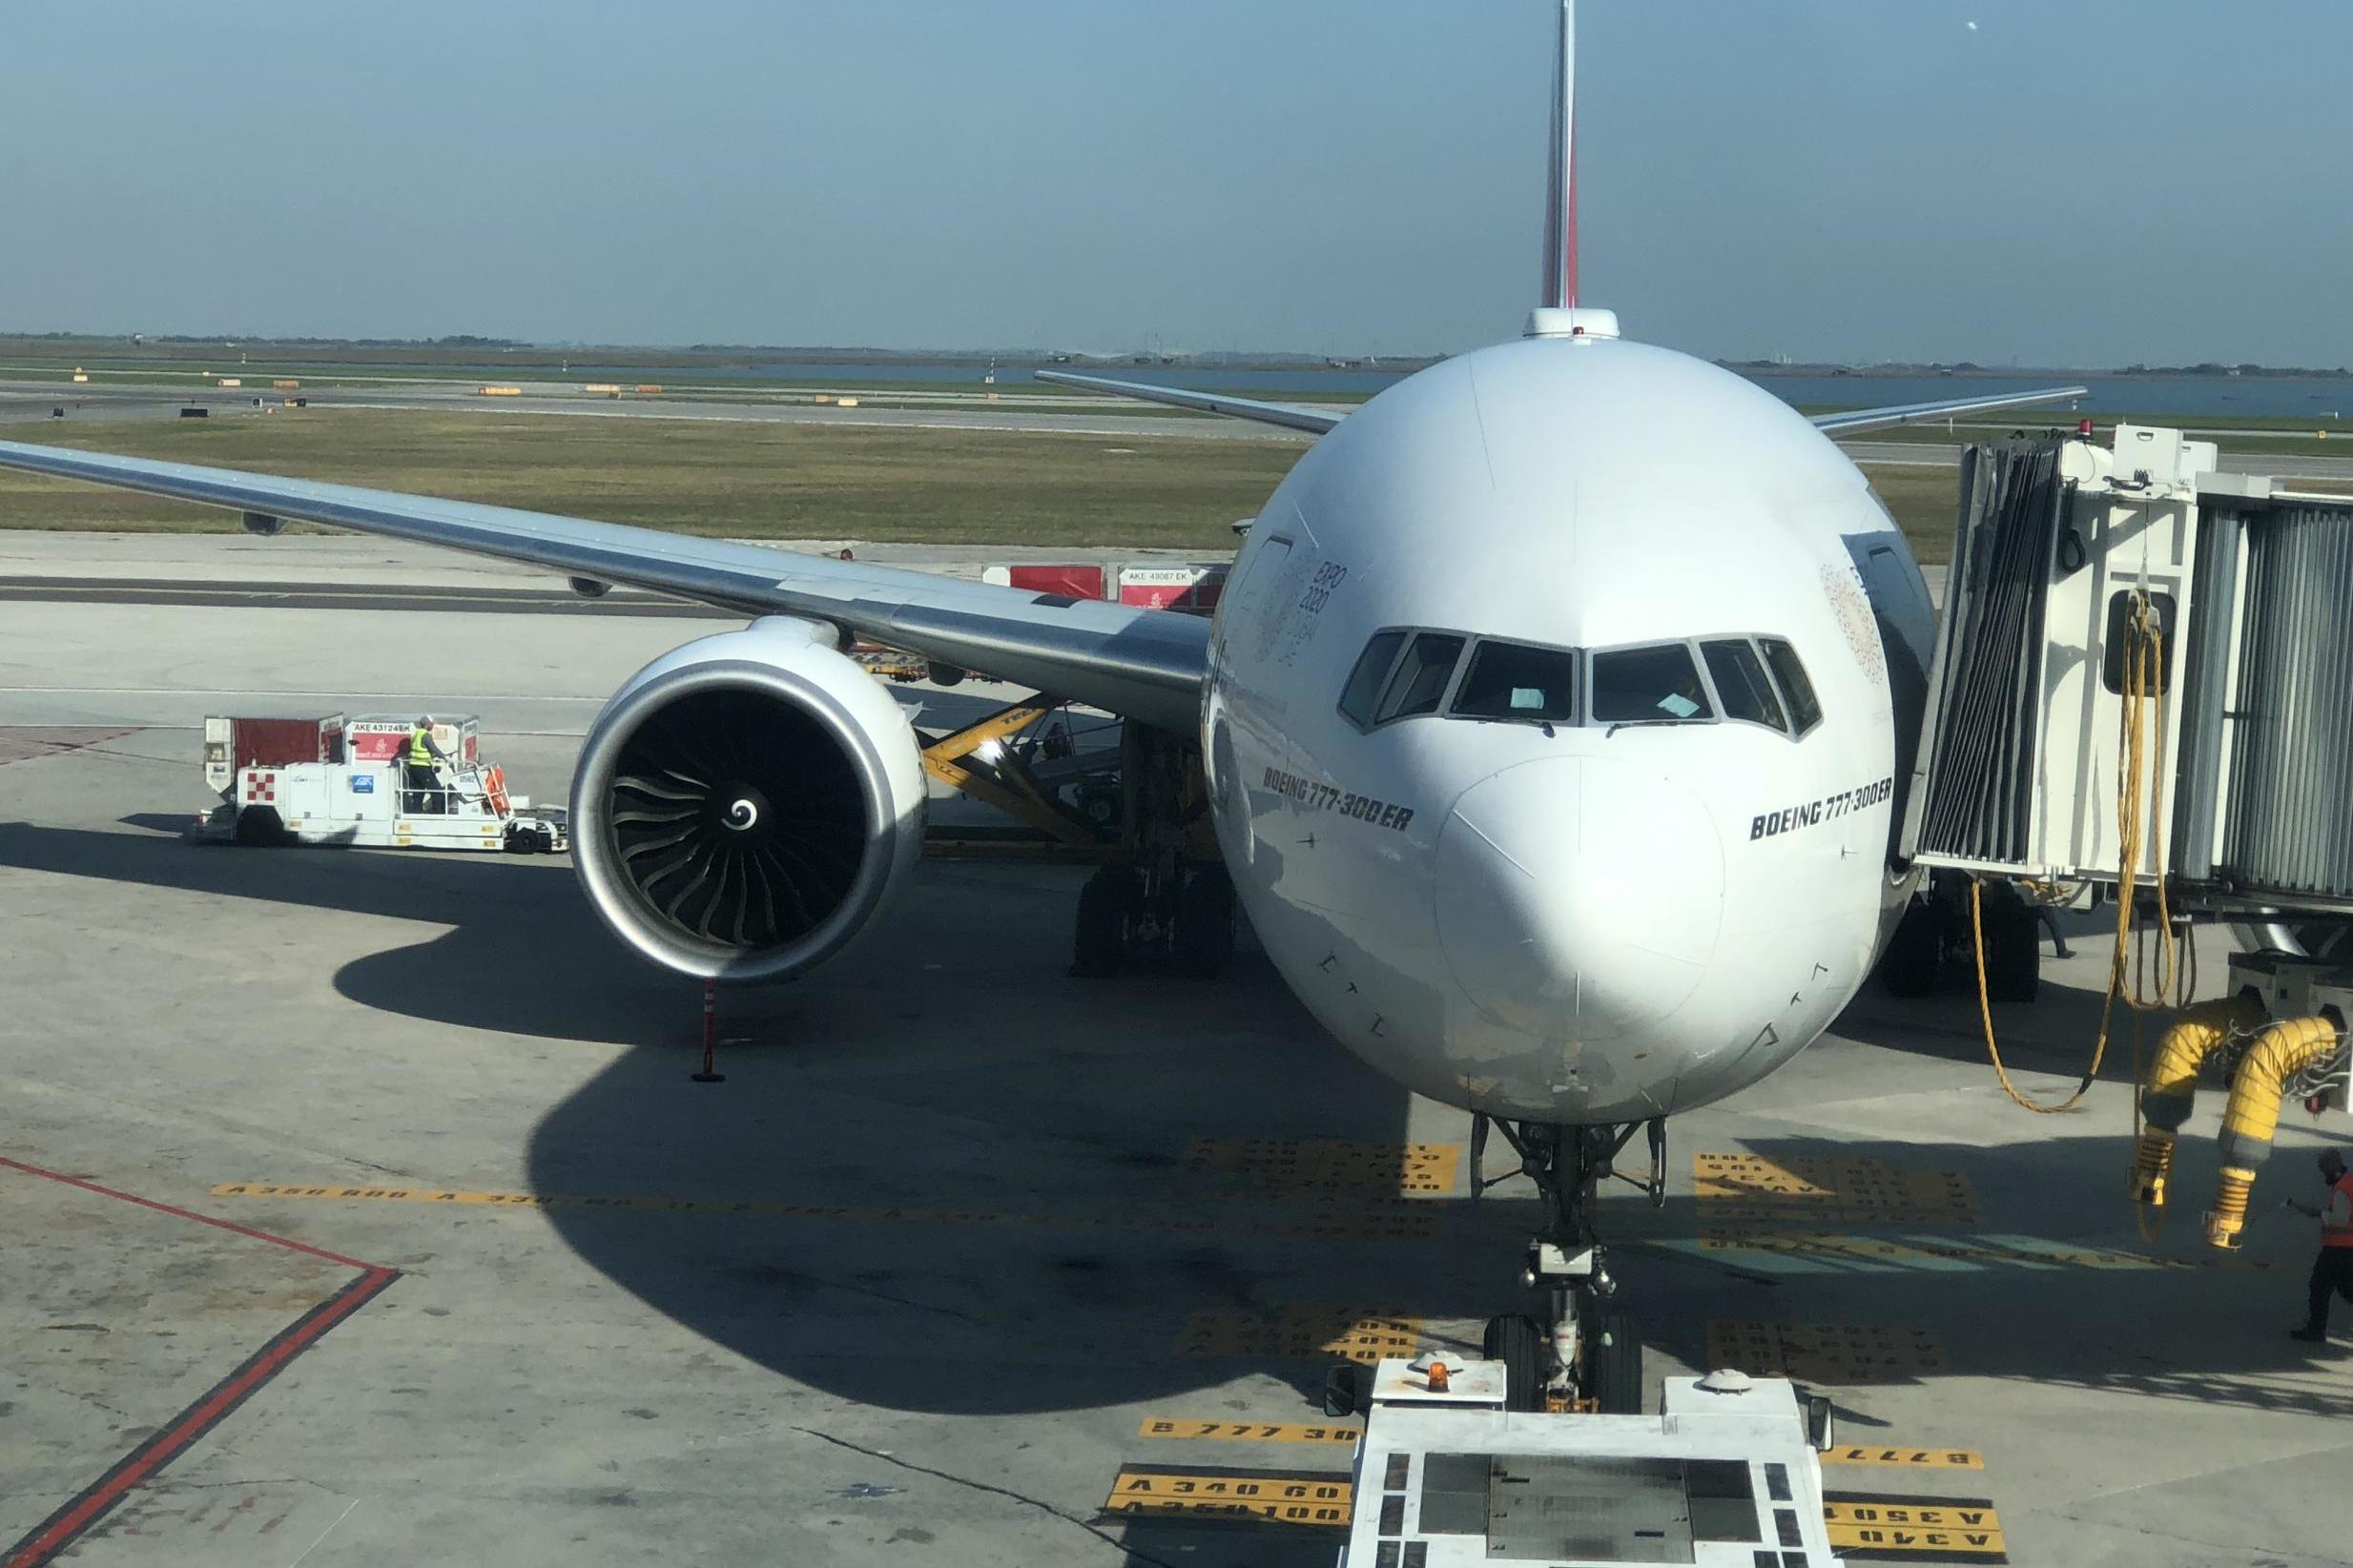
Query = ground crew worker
x=418 y=759
x=2332 y=1272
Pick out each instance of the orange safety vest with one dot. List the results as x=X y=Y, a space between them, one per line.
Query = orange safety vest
x=2338 y=1238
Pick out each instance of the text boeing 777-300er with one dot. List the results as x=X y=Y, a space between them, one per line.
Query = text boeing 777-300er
x=1550 y=727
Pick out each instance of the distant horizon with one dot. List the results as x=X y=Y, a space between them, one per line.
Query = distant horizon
x=1137 y=357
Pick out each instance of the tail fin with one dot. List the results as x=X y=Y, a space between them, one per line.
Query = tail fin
x=1559 y=290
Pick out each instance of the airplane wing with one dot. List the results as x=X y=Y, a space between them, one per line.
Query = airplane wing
x=1864 y=419
x=1312 y=421
x=1148 y=663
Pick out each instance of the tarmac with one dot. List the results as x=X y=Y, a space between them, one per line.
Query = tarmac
x=360 y=1207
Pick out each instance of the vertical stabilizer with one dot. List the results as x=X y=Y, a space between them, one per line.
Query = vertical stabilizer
x=1560 y=284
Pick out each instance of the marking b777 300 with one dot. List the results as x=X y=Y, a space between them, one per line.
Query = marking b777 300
x=1331 y=797
x=1790 y=818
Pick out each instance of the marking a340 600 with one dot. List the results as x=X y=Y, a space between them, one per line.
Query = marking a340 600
x=1790 y=818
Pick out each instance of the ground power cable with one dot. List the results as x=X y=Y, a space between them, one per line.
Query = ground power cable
x=2135 y=780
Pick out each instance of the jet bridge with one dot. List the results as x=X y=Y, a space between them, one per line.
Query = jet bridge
x=2142 y=693
x=2092 y=588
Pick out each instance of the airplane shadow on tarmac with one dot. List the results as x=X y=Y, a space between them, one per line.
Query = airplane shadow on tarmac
x=1003 y=1219
x=1011 y=1143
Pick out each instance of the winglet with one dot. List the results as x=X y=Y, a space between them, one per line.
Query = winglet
x=1559 y=291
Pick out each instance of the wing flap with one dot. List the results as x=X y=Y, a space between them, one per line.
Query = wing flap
x=1149 y=664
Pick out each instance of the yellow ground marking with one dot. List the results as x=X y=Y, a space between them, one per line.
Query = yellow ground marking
x=1824 y=1352
x=1332 y=1435
x=2012 y=1251
x=1739 y=1192
x=1285 y=1498
x=1348 y=1333
x=1331 y=1165
x=1310 y=1220
x=1906 y=1459
x=1953 y=1529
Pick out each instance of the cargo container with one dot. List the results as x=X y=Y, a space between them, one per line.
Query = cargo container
x=232 y=743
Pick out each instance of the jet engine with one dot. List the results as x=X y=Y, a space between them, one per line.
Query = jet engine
x=745 y=803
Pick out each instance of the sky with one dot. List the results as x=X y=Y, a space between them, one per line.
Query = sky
x=2044 y=182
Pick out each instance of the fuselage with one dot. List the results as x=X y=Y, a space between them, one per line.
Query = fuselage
x=1508 y=756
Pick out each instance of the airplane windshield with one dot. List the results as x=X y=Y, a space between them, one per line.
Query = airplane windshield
x=1404 y=672
x=1512 y=682
x=1421 y=676
x=1791 y=674
x=1649 y=686
x=1742 y=684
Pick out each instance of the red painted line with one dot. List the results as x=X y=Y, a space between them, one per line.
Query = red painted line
x=179 y=1213
x=87 y=1507
x=61 y=1529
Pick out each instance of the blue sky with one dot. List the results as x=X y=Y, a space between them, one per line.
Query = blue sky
x=2092 y=183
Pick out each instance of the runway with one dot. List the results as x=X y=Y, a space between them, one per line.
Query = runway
x=958 y=1237
x=22 y=401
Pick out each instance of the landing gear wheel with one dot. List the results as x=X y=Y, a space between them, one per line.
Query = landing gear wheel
x=259 y=825
x=1203 y=939
x=1519 y=1345
x=1914 y=953
x=1099 y=944
x=1617 y=1367
x=2013 y=947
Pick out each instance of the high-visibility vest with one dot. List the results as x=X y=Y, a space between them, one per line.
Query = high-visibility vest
x=2344 y=1187
x=420 y=747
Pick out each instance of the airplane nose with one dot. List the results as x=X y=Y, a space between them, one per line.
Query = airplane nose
x=1578 y=897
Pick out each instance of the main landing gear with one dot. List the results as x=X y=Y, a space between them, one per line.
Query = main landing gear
x=1578 y=1353
x=1165 y=895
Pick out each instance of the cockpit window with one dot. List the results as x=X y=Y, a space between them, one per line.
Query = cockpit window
x=1742 y=685
x=1364 y=682
x=1648 y=686
x=1794 y=686
x=1513 y=681
x=1421 y=676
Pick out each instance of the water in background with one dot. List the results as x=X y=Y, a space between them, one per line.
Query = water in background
x=2291 y=398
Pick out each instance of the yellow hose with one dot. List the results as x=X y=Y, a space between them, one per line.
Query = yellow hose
x=2140 y=802
x=2172 y=1088
x=2281 y=1051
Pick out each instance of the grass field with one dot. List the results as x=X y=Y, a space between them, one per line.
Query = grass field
x=758 y=481
x=741 y=480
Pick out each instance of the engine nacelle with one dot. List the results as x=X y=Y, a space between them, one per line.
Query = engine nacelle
x=745 y=804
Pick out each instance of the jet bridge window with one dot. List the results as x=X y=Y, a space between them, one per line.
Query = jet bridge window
x=1364 y=682
x=1790 y=673
x=1514 y=682
x=1421 y=676
x=1742 y=684
x=1657 y=685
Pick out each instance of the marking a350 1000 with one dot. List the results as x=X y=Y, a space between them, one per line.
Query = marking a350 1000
x=1790 y=818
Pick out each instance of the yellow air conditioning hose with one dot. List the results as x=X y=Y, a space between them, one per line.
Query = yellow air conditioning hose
x=2282 y=1050
x=2171 y=1089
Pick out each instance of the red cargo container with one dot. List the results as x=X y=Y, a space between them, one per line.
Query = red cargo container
x=1076 y=582
x=234 y=743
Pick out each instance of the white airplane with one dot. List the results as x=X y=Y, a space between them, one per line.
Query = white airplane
x=1550 y=731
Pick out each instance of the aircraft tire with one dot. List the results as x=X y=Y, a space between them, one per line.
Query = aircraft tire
x=1617 y=1367
x=1519 y=1343
x=1099 y=945
x=259 y=825
x=1203 y=937
x=2014 y=947
x=1908 y=967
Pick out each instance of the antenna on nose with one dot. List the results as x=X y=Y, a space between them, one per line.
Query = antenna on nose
x=1556 y=315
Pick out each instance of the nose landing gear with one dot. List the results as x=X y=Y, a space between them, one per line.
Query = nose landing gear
x=1579 y=1353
